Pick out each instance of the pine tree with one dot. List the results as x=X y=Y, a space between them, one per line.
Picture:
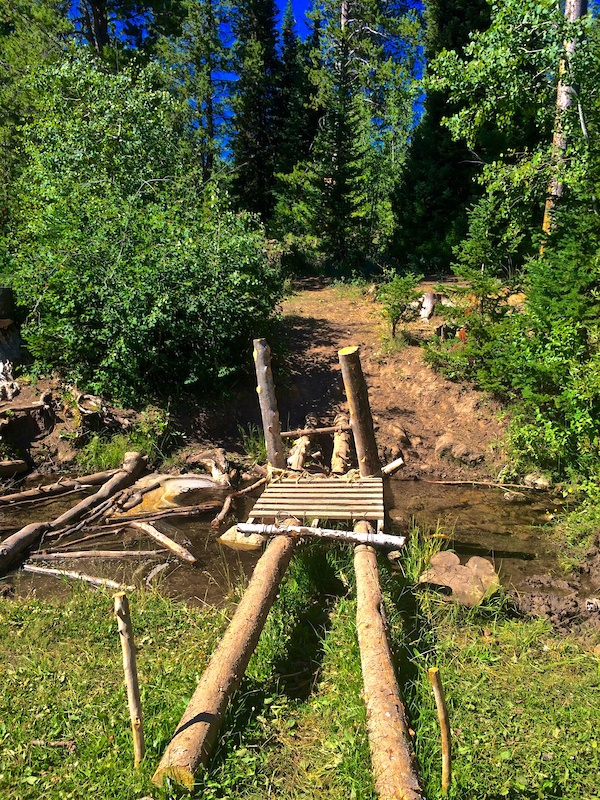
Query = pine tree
x=255 y=105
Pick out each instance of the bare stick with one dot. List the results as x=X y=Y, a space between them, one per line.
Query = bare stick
x=197 y=731
x=360 y=412
x=392 y=756
x=161 y=538
x=52 y=556
x=105 y=583
x=268 y=403
x=367 y=537
x=58 y=488
x=131 y=679
x=111 y=532
x=442 y=710
x=229 y=500
x=314 y=431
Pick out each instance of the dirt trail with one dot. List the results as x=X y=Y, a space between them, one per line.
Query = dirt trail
x=412 y=406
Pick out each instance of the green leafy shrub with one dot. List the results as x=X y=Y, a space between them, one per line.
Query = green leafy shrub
x=399 y=297
x=135 y=280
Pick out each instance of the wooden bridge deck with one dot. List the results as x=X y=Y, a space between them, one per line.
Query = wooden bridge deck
x=308 y=497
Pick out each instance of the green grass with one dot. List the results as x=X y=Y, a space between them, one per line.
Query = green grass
x=524 y=703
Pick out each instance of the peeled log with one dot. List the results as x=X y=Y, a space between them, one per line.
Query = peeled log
x=268 y=404
x=197 y=731
x=340 y=458
x=392 y=757
x=360 y=412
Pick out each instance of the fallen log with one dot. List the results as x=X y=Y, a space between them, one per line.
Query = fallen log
x=342 y=447
x=197 y=731
x=392 y=757
x=66 y=554
x=10 y=468
x=58 y=488
x=105 y=583
x=14 y=546
x=354 y=537
x=167 y=542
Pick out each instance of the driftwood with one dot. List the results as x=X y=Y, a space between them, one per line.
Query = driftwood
x=392 y=467
x=300 y=450
x=229 y=500
x=163 y=539
x=197 y=731
x=54 y=489
x=354 y=537
x=65 y=554
x=131 y=678
x=268 y=404
x=342 y=446
x=360 y=412
x=444 y=720
x=392 y=757
x=105 y=583
x=10 y=468
x=14 y=546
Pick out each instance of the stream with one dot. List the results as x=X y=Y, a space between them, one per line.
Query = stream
x=512 y=533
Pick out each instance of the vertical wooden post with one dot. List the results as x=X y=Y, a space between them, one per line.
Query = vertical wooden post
x=268 y=403
x=360 y=412
x=131 y=678
x=444 y=719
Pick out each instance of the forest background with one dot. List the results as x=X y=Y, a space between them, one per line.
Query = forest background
x=165 y=164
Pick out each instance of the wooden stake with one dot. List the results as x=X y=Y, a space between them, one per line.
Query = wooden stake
x=131 y=679
x=392 y=756
x=268 y=404
x=442 y=710
x=197 y=731
x=360 y=412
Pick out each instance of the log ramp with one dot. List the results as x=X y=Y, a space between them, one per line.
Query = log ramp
x=392 y=756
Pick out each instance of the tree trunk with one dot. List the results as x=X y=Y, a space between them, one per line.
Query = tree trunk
x=197 y=731
x=392 y=755
x=268 y=404
x=565 y=96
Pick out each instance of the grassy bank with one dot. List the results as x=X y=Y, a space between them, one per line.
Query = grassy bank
x=524 y=704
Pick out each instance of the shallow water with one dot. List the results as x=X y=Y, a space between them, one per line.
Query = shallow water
x=514 y=535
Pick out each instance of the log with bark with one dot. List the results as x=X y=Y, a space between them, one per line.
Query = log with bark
x=360 y=412
x=197 y=731
x=392 y=757
x=8 y=469
x=16 y=545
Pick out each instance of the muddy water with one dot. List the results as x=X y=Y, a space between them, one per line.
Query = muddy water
x=509 y=528
x=481 y=521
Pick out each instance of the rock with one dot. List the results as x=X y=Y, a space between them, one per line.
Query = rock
x=237 y=540
x=514 y=497
x=469 y=583
x=534 y=480
x=449 y=447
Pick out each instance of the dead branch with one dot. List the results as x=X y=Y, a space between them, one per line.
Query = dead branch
x=105 y=583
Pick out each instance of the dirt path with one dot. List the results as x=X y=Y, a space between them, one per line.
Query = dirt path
x=412 y=406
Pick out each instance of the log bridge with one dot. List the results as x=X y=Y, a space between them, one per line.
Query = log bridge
x=357 y=500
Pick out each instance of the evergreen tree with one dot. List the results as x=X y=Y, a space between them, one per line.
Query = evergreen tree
x=337 y=203
x=255 y=105
x=437 y=186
